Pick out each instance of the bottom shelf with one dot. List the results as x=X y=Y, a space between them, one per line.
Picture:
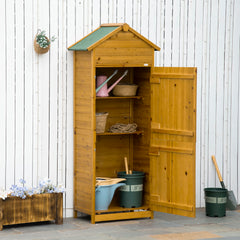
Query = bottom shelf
x=118 y=213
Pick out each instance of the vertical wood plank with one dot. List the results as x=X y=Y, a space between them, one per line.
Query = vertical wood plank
x=10 y=93
x=111 y=11
x=220 y=86
x=192 y=28
x=3 y=95
x=236 y=76
x=227 y=91
x=235 y=59
x=205 y=113
x=129 y=12
x=44 y=81
x=29 y=91
x=61 y=174
x=87 y=17
x=176 y=32
x=144 y=18
x=136 y=15
x=198 y=61
x=212 y=80
x=161 y=29
x=79 y=19
x=121 y=8
x=36 y=99
x=53 y=93
x=152 y=26
x=168 y=33
x=69 y=125
x=20 y=91
x=104 y=12
x=96 y=13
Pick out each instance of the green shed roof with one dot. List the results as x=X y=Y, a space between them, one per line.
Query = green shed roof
x=92 y=38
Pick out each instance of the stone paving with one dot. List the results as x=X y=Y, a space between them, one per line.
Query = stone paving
x=163 y=226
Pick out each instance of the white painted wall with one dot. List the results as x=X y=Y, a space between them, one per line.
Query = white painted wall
x=36 y=91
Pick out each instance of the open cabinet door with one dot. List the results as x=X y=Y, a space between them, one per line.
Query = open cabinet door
x=173 y=137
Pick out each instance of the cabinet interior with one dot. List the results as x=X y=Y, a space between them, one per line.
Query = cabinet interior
x=111 y=149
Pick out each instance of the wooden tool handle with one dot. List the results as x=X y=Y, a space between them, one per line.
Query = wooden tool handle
x=126 y=164
x=216 y=166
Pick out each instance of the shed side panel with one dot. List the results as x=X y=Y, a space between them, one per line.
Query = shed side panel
x=84 y=177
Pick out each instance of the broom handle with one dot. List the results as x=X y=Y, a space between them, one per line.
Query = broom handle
x=218 y=172
x=126 y=164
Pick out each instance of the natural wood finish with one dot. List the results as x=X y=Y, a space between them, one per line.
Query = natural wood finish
x=171 y=149
x=124 y=49
x=114 y=98
x=111 y=24
x=38 y=208
x=121 y=209
x=122 y=216
x=217 y=169
x=173 y=205
x=84 y=140
x=112 y=134
x=126 y=164
x=173 y=132
x=173 y=138
x=164 y=111
x=143 y=118
x=170 y=76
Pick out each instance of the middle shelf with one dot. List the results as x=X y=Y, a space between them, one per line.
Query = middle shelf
x=110 y=133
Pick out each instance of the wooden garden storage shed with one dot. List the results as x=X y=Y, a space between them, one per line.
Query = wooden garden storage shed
x=163 y=147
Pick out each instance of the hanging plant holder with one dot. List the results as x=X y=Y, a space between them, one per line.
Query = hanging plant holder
x=39 y=49
x=42 y=42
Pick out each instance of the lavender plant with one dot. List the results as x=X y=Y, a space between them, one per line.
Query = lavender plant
x=22 y=191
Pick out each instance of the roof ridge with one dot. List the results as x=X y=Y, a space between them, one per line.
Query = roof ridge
x=112 y=24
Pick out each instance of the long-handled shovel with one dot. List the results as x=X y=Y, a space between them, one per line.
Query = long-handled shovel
x=231 y=200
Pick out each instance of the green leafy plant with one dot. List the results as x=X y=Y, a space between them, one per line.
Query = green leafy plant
x=43 y=40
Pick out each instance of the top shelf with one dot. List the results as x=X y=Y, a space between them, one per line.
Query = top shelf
x=112 y=97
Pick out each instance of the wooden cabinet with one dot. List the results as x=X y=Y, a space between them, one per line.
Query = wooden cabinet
x=163 y=147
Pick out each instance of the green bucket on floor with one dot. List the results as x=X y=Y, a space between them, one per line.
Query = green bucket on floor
x=131 y=194
x=215 y=201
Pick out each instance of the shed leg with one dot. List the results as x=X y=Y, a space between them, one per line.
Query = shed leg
x=75 y=213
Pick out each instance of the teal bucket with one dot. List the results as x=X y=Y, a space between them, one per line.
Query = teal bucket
x=131 y=194
x=104 y=195
x=215 y=201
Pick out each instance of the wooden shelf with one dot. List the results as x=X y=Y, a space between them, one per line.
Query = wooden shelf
x=114 y=98
x=114 y=134
x=121 y=209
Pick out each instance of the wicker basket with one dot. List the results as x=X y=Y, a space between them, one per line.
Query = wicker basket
x=40 y=50
x=101 y=119
x=125 y=90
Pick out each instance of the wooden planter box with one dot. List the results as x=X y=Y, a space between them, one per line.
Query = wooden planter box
x=38 y=208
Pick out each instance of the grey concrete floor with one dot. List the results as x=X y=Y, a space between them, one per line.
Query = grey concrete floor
x=163 y=226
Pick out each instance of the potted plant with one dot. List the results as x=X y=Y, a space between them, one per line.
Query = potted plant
x=42 y=42
x=21 y=204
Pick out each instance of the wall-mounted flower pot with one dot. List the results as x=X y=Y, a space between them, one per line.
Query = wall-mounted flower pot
x=37 y=208
x=40 y=50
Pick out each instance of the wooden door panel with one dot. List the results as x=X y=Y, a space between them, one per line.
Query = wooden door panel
x=173 y=136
